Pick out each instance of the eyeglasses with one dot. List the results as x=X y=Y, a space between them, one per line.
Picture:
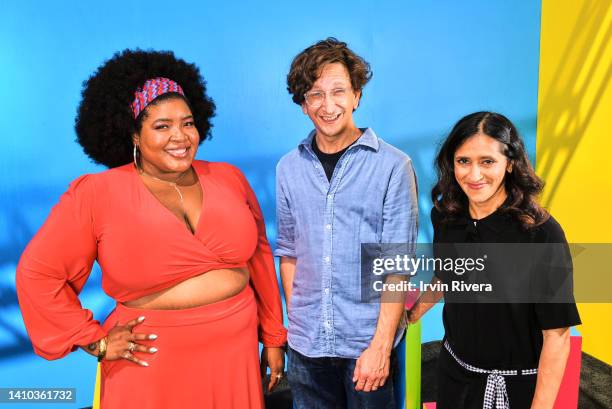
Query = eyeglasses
x=315 y=99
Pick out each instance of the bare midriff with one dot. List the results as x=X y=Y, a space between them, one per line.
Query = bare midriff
x=206 y=288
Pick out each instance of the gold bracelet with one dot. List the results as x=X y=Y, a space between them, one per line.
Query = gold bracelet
x=102 y=351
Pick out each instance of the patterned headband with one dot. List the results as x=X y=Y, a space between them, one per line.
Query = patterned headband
x=152 y=89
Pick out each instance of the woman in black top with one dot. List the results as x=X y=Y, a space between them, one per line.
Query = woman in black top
x=503 y=354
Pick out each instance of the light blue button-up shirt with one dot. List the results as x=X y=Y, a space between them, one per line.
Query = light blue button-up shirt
x=371 y=198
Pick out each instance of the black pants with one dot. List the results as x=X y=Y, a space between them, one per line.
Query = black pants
x=459 y=388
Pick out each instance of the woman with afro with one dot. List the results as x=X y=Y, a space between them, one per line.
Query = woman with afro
x=181 y=244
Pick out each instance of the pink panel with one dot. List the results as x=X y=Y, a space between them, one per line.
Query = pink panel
x=411 y=298
x=568 y=391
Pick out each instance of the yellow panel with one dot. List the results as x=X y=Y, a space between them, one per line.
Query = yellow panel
x=96 y=400
x=574 y=142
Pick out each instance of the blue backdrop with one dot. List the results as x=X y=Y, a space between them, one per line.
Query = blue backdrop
x=432 y=64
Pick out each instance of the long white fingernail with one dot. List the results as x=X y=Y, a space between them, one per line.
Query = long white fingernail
x=144 y=364
x=141 y=318
x=152 y=336
x=152 y=349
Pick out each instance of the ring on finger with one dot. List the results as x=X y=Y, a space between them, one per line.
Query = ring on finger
x=279 y=376
x=131 y=346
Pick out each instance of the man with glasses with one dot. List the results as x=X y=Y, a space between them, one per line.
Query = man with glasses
x=342 y=186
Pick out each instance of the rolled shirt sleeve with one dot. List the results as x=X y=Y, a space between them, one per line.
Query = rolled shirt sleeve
x=400 y=212
x=285 y=240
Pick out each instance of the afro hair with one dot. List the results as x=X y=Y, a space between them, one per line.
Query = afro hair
x=105 y=124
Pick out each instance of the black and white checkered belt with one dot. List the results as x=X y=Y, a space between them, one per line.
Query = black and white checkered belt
x=495 y=391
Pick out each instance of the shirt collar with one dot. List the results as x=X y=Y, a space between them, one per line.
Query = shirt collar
x=368 y=139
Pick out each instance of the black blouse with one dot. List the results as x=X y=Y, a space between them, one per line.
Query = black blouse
x=500 y=335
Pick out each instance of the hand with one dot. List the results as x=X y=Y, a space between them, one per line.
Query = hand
x=121 y=342
x=274 y=358
x=372 y=369
x=414 y=314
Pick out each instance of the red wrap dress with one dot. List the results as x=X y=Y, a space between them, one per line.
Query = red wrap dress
x=207 y=356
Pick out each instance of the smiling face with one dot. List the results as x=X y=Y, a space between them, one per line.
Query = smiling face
x=480 y=168
x=334 y=117
x=168 y=139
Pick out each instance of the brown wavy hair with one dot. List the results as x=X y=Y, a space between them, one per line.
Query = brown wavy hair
x=306 y=67
x=522 y=185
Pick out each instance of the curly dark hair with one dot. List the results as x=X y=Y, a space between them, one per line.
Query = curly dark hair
x=105 y=123
x=522 y=184
x=306 y=67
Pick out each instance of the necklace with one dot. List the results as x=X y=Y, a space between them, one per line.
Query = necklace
x=173 y=184
x=176 y=187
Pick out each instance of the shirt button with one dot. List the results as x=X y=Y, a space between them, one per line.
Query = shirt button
x=329 y=197
x=327 y=324
x=328 y=226
x=327 y=291
x=326 y=258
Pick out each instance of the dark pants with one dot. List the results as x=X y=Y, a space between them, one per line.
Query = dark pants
x=327 y=383
x=459 y=388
